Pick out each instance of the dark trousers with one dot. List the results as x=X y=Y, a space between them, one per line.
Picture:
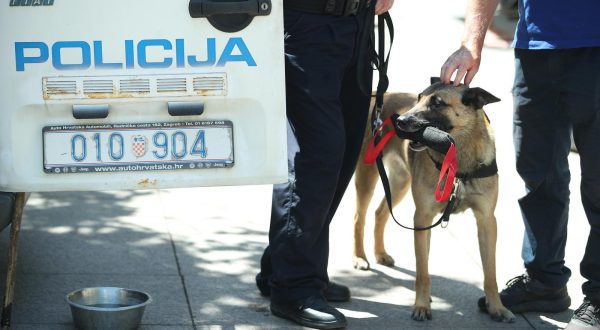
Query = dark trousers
x=557 y=92
x=327 y=116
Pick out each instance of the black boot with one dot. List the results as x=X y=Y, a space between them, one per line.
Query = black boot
x=313 y=312
x=333 y=293
x=526 y=294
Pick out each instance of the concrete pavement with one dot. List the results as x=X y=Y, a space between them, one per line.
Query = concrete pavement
x=196 y=251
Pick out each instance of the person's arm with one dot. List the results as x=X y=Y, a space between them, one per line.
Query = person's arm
x=382 y=6
x=465 y=61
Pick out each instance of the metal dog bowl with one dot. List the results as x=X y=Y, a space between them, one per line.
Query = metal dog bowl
x=104 y=308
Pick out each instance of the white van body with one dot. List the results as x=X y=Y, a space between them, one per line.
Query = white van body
x=137 y=94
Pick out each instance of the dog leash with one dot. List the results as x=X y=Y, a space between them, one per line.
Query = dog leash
x=367 y=55
x=449 y=168
x=378 y=141
x=380 y=62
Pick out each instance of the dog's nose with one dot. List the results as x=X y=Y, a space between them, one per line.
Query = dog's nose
x=410 y=123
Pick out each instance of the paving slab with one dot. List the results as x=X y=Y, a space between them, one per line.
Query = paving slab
x=71 y=327
x=40 y=299
x=90 y=232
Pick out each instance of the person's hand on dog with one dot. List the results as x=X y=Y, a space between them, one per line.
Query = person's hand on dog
x=382 y=6
x=464 y=62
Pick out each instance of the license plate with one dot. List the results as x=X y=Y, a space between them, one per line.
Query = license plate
x=138 y=147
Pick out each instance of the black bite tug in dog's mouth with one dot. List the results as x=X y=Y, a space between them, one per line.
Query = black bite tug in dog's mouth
x=416 y=146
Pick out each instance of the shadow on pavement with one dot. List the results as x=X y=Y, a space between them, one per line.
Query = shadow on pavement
x=198 y=264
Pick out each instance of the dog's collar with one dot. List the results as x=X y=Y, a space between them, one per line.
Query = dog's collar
x=483 y=171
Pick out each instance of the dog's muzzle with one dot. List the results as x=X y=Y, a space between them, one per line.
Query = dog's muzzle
x=421 y=133
x=407 y=126
x=409 y=123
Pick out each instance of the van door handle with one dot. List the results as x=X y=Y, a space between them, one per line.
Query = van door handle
x=207 y=8
x=90 y=111
x=185 y=108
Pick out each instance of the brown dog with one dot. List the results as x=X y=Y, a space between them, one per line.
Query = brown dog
x=458 y=111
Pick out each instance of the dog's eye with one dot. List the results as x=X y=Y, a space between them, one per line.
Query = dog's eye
x=436 y=102
x=419 y=97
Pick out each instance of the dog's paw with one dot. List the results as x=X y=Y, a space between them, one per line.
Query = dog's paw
x=360 y=263
x=421 y=313
x=385 y=259
x=502 y=315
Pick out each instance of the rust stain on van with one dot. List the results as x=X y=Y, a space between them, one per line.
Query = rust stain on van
x=146 y=183
x=59 y=92
x=116 y=94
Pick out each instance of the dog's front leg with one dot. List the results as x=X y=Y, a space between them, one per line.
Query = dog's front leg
x=365 y=180
x=399 y=179
x=422 y=307
x=487 y=233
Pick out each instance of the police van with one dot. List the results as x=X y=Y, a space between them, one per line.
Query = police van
x=141 y=94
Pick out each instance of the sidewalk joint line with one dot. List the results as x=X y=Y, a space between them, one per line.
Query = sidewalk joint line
x=527 y=320
x=185 y=292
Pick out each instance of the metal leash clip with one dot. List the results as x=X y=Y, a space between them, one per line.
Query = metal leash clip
x=451 y=203
x=377 y=122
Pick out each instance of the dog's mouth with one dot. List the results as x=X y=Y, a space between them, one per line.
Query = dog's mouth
x=410 y=123
x=430 y=137
x=422 y=133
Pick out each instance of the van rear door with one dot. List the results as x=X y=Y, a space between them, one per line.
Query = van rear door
x=141 y=94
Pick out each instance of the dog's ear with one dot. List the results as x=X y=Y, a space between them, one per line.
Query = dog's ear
x=434 y=80
x=478 y=97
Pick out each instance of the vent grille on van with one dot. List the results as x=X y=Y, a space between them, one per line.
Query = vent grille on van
x=62 y=88
x=171 y=85
x=97 y=86
x=57 y=87
x=134 y=86
x=208 y=83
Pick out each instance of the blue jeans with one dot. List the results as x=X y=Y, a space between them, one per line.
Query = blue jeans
x=327 y=115
x=557 y=92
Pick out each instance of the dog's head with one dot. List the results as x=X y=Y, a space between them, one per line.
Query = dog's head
x=452 y=109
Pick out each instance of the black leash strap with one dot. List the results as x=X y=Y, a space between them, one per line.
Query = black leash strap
x=443 y=219
x=381 y=63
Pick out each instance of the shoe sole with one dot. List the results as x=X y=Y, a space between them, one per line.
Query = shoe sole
x=307 y=322
x=337 y=298
x=543 y=306
x=538 y=306
x=329 y=298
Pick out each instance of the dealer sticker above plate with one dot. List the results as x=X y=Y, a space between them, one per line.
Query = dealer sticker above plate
x=138 y=147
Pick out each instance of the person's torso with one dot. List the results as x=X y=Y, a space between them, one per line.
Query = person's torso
x=553 y=24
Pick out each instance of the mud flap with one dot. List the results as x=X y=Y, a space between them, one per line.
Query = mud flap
x=7 y=200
